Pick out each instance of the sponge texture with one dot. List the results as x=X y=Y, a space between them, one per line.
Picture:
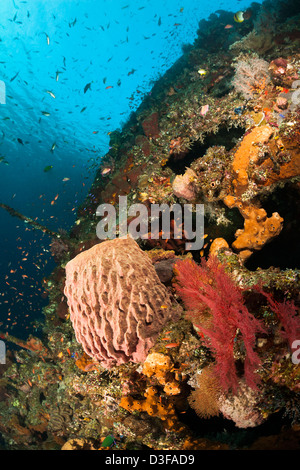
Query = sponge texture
x=117 y=304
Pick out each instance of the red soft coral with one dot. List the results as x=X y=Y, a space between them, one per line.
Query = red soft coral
x=216 y=306
x=286 y=312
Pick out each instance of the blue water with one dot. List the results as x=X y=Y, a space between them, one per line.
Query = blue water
x=58 y=57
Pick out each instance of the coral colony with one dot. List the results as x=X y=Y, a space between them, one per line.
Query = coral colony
x=173 y=322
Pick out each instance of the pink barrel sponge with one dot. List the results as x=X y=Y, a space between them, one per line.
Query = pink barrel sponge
x=117 y=304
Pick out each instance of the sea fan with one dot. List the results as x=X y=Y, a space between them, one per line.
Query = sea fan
x=251 y=76
x=215 y=304
x=286 y=313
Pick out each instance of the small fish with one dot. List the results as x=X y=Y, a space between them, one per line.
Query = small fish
x=172 y=345
x=53 y=147
x=14 y=77
x=73 y=23
x=20 y=141
x=48 y=168
x=48 y=39
x=108 y=87
x=45 y=113
x=2 y=160
x=239 y=17
x=87 y=87
x=228 y=26
x=83 y=109
x=50 y=93
x=66 y=179
x=105 y=171
x=202 y=72
x=109 y=440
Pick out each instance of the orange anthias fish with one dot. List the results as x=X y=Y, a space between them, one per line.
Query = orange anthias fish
x=105 y=171
x=228 y=26
x=172 y=345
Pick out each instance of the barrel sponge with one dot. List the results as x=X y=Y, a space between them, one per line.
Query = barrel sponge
x=117 y=304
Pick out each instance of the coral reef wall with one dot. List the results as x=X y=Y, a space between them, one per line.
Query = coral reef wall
x=127 y=359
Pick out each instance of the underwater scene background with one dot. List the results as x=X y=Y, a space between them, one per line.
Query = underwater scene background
x=144 y=344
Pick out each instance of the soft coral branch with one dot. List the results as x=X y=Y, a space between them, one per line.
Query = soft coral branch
x=286 y=313
x=216 y=306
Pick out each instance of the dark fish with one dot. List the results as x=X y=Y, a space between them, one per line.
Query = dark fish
x=14 y=77
x=72 y=23
x=2 y=160
x=87 y=87
x=20 y=141
x=48 y=168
